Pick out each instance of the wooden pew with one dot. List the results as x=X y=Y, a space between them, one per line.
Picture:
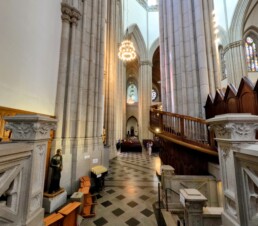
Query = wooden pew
x=70 y=214
x=55 y=219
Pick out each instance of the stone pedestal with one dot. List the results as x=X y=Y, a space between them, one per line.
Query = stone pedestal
x=237 y=146
x=193 y=201
x=52 y=204
x=33 y=130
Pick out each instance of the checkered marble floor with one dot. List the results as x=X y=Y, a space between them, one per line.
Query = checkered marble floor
x=131 y=188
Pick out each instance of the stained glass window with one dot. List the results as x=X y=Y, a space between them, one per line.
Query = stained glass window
x=132 y=95
x=153 y=94
x=251 y=54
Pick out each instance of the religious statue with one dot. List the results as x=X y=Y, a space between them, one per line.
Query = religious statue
x=56 y=164
x=104 y=136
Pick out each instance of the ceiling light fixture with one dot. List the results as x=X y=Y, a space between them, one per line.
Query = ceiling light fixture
x=126 y=49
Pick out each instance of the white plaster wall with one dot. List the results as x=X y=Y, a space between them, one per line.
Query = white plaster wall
x=220 y=11
x=29 y=54
x=153 y=27
x=136 y=14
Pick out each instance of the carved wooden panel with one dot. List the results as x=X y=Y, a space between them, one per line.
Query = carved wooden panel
x=245 y=100
x=185 y=160
x=209 y=111
x=219 y=104
x=231 y=100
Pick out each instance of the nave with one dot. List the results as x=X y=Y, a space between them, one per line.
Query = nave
x=131 y=189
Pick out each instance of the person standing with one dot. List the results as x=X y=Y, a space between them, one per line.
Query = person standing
x=149 y=145
x=56 y=164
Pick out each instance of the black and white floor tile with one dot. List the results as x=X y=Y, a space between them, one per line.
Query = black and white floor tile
x=131 y=189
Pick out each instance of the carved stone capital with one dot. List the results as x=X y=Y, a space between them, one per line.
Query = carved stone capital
x=30 y=127
x=66 y=12
x=75 y=16
x=234 y=127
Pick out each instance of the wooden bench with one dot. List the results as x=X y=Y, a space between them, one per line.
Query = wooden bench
x=70 y=214
x=55 y=219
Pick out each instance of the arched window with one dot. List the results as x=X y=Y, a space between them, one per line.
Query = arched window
x=251 y=54
x=132 y=94
x=154 y=95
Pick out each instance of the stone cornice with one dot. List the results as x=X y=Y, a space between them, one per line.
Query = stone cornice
x=233 y=45
x=30 y=127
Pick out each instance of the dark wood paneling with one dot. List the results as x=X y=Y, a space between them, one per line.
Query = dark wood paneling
x=185 y=161
x=245 y=100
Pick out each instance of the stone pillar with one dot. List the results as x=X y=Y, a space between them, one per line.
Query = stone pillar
x=193 y=201
x=188 y=56
x=234 y=131
x=167 y=172
x=33 y=129
x=145 y=87
x=75 y=16
x=61 y=85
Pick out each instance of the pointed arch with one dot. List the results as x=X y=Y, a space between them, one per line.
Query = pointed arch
x=237 y=26
x=138 y=40
x=153 y=48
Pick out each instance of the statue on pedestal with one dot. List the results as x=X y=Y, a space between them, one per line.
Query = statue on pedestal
x=56 y=164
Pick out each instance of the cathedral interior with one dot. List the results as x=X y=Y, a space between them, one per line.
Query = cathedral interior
x=151 y=104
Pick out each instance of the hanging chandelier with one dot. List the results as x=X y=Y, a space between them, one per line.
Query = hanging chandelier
x=127 y=51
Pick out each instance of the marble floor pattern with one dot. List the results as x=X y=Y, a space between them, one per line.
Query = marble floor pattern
x=131 y=188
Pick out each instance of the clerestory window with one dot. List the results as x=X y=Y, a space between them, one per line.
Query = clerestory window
x=251 y=54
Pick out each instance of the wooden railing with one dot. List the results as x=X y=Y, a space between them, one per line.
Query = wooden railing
x=185 y=130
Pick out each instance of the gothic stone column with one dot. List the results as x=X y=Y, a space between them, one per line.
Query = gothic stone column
x=33 y=129
x=232 y=131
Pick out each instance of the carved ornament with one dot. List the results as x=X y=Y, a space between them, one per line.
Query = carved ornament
x=66 y=12
x=28 y=131
x=235 y=131
x=75 y=16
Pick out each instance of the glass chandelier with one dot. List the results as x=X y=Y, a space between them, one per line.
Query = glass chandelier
x=126 y=49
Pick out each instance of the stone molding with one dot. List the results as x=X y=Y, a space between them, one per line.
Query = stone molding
x=144 y=4
x=30 y=127
x=236 y=127
x=70 y=14
x=233 y=45
x=149 y=63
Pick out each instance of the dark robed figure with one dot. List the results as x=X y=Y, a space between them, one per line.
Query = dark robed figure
x=56 y=164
